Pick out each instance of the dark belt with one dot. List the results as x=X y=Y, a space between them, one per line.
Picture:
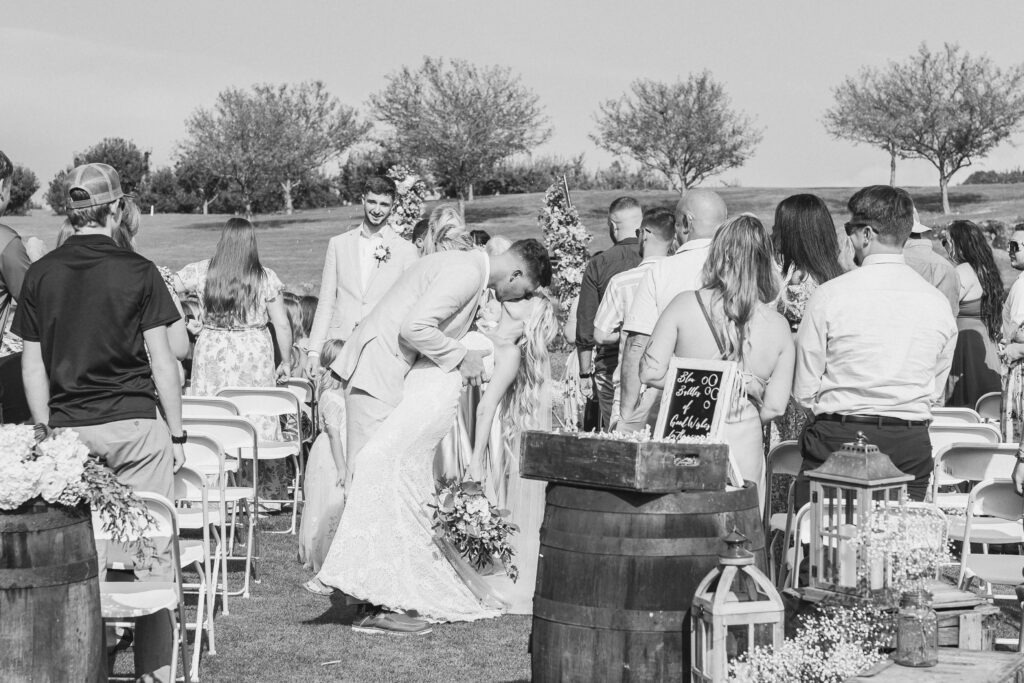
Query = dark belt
x=879 y=420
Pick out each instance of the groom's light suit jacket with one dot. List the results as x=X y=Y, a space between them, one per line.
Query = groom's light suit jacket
x=425 y=313
x=343 y=300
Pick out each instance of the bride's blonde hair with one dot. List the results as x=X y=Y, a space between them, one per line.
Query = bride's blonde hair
x=446 y=231
x=521 y=408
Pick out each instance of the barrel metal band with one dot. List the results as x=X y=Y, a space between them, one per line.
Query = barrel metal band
x=50 y=519
x=54 y=575
x=693 y=503
x=637 y=547
x=611 y=618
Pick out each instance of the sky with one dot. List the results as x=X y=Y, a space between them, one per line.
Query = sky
x=74 y=73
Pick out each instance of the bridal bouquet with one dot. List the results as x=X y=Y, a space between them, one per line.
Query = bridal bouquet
x=473 y=526
x=58 y=469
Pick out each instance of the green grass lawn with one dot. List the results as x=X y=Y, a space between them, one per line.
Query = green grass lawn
x=294 y=246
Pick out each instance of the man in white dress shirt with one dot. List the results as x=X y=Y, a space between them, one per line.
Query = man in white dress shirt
x=360 y=267
x=657 y=240
x=702 y=212
x=875 y=346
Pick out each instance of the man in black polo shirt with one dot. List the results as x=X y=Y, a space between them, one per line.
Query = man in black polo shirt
x=599 y=361
x=87 y=313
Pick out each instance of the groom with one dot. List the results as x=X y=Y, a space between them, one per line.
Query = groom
x=425 y=313
x=360 y=266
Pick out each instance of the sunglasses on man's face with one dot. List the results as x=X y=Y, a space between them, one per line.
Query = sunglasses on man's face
x=1014 y=247
x=853 y=227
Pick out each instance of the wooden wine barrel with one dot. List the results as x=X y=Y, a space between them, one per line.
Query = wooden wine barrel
x=617 y=575
x=51 y=627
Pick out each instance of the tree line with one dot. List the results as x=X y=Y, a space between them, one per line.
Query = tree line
x=470 y=129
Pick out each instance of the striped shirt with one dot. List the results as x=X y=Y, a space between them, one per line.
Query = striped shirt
x=618 y=297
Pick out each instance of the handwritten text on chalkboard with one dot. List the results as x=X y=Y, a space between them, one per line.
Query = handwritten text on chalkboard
x=696 y=397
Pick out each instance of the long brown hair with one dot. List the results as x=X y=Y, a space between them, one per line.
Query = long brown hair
x=971 y=247
x=235 y=275
x=741 y=268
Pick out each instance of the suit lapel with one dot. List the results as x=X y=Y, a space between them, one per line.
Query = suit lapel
x=349 y=263
x=387 y=235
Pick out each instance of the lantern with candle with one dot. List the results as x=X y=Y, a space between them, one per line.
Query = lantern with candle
x=735 y=610
x=858 y=488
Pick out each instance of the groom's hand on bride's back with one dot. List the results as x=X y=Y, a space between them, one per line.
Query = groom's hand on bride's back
x=472 y=367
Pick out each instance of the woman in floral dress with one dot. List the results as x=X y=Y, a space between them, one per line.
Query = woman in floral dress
x=239 y=297
x=808 y=248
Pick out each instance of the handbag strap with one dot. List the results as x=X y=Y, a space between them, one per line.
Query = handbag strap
x=711 y=326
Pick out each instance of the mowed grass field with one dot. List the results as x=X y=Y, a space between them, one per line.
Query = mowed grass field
x=294 y=246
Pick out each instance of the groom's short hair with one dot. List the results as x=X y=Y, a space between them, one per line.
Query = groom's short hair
x=379 y=185
x=535 y=258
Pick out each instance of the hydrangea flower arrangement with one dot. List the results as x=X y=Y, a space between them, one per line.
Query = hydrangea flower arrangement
x=566 y=240
x=476 y=528
x=58 y=469
x=412 y=193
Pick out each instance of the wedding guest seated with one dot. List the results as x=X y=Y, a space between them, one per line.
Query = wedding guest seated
x=327 y=473
x=737 y=305
x=480 y=237
x=300 y=338
x=419 y=232
x=976 y=368
x=875 y=346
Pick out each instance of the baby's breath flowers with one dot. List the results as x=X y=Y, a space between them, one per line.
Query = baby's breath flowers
x=464 y=518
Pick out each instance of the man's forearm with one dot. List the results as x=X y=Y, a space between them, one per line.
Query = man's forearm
x=37 y=393
x=586 y=358
x=629 y=373
x=165 y=377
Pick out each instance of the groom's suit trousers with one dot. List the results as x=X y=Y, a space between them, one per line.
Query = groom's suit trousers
x=364 y=415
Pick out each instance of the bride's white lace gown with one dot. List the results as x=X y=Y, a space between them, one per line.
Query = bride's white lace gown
x=384 y=550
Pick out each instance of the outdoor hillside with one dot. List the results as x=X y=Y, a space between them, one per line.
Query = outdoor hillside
x=294 y=246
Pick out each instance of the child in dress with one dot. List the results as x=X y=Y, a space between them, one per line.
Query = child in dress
x=327 y=472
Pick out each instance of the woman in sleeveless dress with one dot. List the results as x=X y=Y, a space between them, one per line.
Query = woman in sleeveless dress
x=808 y=248
x=736 y=306
x=976 y=368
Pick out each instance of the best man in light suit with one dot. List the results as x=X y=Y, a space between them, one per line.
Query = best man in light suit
x=426 y=313
x=361 y=265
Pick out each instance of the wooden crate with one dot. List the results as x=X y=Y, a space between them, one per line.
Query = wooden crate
x=645 y=466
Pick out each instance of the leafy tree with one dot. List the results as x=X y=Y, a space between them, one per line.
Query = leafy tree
x=198 y=180
x=951 y=108
x=460 y=119
x=685 y=130
x=362 y=164
x=863 y=113
x=163 y=192
x=130 y=162
x=24 y=185
x=1015 y=175
x=57 y=192
x=273 y=135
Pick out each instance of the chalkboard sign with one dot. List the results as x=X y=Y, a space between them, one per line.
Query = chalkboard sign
x=696 y=398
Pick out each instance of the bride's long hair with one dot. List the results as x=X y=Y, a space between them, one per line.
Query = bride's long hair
x=525 y=404
x=741 y=269
x=446 y=231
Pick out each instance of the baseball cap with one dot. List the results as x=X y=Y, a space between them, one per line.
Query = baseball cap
x=99 y=181
x=919 y=227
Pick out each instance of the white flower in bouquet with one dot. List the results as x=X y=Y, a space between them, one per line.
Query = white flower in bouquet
x=20 y=481
x=16 y=442
x=478 y=506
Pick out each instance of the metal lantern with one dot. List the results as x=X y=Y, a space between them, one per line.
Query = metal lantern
x=852 y=494
x=735 y=609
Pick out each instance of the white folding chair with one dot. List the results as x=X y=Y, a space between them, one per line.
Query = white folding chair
x=192 y=504
x=205 y=455
x=274 y=403
x=954 y=416
x=793 y=553
x=958 y=463
x=305 y=390
x=128 y=601
x=235 y=435
x=995 y=499
x=990 y=406
x=207 y=406
x=785 y=459
x=943 y=435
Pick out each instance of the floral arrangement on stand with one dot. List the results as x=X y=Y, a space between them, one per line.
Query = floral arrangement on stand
x=566 y=240
x=412 y=193
x=58 y=469
x=479 y=531
x=846 y=636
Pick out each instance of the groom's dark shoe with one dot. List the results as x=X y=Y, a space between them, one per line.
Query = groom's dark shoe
x=393 y=624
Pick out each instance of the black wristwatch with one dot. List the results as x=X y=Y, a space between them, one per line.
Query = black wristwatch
x=586 y=375
x=179 y=440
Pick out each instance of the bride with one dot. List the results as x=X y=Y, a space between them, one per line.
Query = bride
x=384 y=551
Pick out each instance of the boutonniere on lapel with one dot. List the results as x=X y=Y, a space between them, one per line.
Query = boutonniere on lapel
x=382 y=253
